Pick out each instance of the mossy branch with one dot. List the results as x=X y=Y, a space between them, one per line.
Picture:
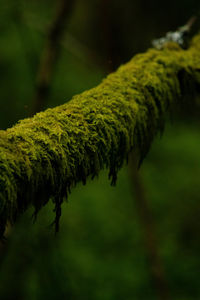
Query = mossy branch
x=45 y=156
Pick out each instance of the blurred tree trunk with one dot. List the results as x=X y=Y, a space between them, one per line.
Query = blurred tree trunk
x=51 y=54
x=148 y=227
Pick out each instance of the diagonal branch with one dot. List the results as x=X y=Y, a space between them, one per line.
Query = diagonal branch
x=45 y=156
x=50 y=54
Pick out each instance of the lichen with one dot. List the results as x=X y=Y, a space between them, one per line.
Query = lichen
x=43 y=157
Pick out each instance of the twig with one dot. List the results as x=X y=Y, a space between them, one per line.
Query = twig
x=180 y=36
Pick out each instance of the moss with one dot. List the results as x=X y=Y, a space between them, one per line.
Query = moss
x=45 y=156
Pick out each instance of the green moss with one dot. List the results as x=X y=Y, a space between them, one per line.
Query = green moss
x=45 y=156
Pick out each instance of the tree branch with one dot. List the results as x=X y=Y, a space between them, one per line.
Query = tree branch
x=45 y=156
x=50 y=54
x=150 y=241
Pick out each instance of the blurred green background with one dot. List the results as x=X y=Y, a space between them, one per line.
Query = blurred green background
x=102 y=250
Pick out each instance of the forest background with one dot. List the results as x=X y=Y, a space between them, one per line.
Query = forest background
x=103 y=249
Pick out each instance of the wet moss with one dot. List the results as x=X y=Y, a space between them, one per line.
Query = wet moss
x=43 y=157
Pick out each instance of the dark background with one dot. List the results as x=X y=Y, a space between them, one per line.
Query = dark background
x=102 y=250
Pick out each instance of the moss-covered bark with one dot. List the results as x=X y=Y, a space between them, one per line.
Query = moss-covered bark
x=45 y=156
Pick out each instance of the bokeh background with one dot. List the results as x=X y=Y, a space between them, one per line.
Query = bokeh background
x=114 y=243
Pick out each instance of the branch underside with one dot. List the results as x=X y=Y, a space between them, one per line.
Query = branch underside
x=45 y=156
